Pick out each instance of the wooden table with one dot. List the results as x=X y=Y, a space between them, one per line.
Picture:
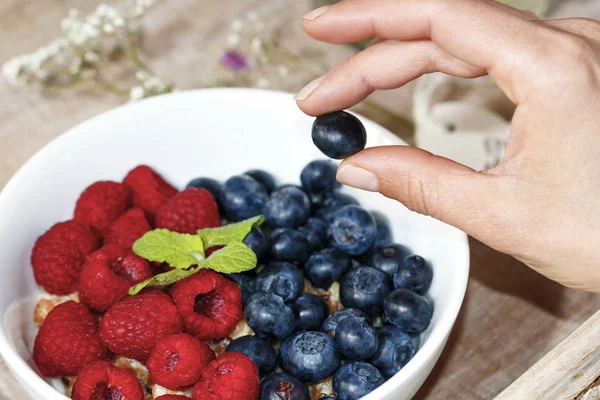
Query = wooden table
x=511 y=317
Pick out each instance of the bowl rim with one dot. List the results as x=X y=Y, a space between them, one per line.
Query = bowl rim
x=435 y=341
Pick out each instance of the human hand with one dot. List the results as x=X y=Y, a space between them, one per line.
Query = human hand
x=541 y=204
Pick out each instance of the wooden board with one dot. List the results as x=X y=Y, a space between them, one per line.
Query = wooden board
x=511 y=317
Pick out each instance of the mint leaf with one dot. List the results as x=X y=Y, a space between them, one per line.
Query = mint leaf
x=234 y=258
x=230 y=233
x=180 y=250
x=164 y=279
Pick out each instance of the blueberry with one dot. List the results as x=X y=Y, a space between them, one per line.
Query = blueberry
x=365 y=288
x=259 y=350
x=356 y=379
x=325 y=267
x=289 y=245
x=408 y=310
x=213 y=186
x=414 y=273
x=384 y=232
x=243 y=197
x=309 y=356
x=331 y=323
x=356 y=338
x=388 y=258
x=268 y=316
x=281 y=278
x=246 y=281
x=258 y=243
x=333 y=202
x=395 y=350
x=316 y=233
x=262 y=177
x=319 y=176
x=288 y=207
x=310 y=311
x=353 y=230
x=339 y=134
x=283 y=387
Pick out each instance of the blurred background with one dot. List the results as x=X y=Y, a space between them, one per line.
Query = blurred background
x=65 y=61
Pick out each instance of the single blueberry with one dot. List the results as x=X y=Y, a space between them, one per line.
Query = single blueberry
x=331 y=323
x=333 y=202
x=387 y=258
x=384 y=232
x=288 y=207
x=319 y=176
x=309 y=356
x=259 y=350
x=283 y=387
x=243 y=197
x=281 y=278
x=289 y=245
x=356 y=338
x=339 y=134
x=257 y=241
x=414 y=273
x=213 y=186
x=356 y=379
x=268 y=316
x=246 y=281
x=408 y=310
x=353 y=230
x=262 y=177
x=310 y=311
x=365 y=288
x=316 y=233
x=325 y=267
x=395 y=350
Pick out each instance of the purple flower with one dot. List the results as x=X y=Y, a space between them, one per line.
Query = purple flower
x=234 y=61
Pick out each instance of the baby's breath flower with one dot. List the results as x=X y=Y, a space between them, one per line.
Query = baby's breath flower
x=90 y=57
x=85 y=47
x=263 y=83
x=237 y=25
x=141 y=76
x=136 y=93
x=256 y=45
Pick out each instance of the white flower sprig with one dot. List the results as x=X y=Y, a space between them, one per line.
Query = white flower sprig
x=81 y=56
x=251 y=53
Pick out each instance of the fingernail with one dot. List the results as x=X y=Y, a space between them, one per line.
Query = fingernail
x=358 y=178
x=308 y=89
x=314 y=14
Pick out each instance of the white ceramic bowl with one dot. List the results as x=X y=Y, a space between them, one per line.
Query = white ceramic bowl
x=217 y=133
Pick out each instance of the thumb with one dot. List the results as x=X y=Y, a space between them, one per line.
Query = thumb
x=453 y=193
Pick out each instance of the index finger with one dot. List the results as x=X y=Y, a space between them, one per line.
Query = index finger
x=475 y=31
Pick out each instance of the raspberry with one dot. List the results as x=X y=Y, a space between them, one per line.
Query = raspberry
x=101 y=204
x=177 y=361
x=150 y=190
x=128 y=228
x=67 y=341
x=59 y=254
x=103 y=381
x=133 y=326
x=189 y=211
x=172 y=397
x=209 y=303
x=108 y=274
x=232 y=376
